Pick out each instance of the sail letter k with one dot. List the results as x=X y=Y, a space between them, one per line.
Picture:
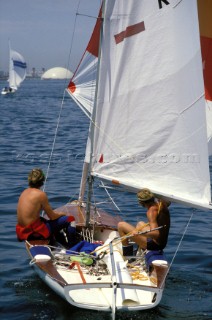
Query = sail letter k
x=160 y=3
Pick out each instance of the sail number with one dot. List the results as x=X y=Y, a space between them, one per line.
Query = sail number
x=162 y=2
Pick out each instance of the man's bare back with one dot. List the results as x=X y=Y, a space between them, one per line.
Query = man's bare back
x=29 y=223
x=31 y=202
x=29 y=206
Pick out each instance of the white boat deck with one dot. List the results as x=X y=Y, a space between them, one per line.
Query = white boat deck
x=103 y=297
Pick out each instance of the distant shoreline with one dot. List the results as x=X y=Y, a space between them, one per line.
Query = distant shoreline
x=27 y=77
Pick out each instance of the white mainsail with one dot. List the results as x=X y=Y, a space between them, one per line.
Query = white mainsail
x=150 y=123
x=17 y=69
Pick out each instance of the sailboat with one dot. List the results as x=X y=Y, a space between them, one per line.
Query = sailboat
x=17 y=71
x=140 y=82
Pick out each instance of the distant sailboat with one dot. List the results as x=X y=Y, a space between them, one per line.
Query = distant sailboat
x=17 y=71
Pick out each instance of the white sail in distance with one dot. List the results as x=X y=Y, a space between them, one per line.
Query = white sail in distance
x=17 y=69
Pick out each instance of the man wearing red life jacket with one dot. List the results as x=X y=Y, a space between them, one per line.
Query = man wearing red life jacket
x=29 y=223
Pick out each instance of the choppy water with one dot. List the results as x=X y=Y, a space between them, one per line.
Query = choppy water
x=28 y=122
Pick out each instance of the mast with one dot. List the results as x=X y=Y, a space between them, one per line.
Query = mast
x=92 y=125
x=84 y=100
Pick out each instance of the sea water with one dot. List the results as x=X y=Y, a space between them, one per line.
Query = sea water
x=39 y=123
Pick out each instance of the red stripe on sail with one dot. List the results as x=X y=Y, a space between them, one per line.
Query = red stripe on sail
x=129 y=31
x=206 y=48
x=205 y=23
x=93 y=45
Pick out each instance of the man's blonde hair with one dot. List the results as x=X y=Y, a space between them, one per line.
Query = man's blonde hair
x=36 y=178
x=145 y=195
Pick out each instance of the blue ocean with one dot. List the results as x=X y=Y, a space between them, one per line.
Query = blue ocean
x=32 y=121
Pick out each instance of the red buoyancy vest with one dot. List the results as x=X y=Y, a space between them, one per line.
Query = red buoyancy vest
x=70 y=218
x=36 y=227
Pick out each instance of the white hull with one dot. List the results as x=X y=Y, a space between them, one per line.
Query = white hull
x=121 y=288
x=7 y=91
x=95 y=297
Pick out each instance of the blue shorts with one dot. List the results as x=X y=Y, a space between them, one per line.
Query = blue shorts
x=63 y=222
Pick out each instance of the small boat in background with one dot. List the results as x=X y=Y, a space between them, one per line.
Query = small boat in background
x=17 y=72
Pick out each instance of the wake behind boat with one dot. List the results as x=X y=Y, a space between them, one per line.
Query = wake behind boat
x=140 y=83
x=17 y=72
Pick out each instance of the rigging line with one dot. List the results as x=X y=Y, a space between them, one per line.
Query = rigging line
x=174 y=6
x=72 y=40
x=193 y=103
x=179 y=244
x=53 y=145
x=61 y=107
x=86 y=15
x=186 y=228
x=111 y=199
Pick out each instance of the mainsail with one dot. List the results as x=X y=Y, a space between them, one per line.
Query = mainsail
x=17 y=69
x=150 y=129
x=205 y=22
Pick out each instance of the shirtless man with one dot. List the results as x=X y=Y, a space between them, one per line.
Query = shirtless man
x=157 y=216
x=29 y=223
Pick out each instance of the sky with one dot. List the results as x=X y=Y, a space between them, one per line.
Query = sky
x=46 y=32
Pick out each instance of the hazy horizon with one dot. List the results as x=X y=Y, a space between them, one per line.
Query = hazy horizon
x=42 y=31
